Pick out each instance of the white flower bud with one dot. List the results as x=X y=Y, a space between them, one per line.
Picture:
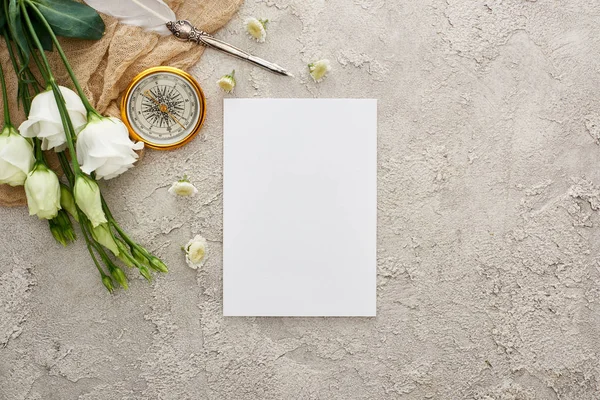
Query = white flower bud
x=87 y=198
x=16 y=157
x=43 y=192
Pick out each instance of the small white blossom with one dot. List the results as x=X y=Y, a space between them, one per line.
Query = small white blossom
x=256 y=28
x=227 y=82
x=195 y=252
x=319 y=69
x=183 y=188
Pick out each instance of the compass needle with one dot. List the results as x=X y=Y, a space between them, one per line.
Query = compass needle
x=163 y=108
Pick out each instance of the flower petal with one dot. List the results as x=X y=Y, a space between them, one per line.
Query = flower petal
x=104 y=146
x=73 y=101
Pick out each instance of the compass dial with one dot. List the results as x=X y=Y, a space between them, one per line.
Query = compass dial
x=163 y=107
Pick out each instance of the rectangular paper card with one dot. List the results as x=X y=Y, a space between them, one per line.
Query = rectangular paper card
x=300 y=207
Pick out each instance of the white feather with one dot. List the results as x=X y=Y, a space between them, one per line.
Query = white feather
x=152 y=15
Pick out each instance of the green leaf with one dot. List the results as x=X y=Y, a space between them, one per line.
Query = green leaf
x=41 y=32
x=2 y=17
x=71 y=19
x=16 y=26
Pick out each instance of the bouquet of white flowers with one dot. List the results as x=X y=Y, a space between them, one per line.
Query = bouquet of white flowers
x=89 y=146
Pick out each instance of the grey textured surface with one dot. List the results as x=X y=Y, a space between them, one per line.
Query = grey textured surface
x=489 y=192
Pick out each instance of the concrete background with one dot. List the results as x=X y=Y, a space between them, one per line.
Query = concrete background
x=489 y=191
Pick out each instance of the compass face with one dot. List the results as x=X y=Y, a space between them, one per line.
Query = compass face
x=164 y=107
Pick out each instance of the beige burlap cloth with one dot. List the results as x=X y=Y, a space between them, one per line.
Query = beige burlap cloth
x=105 y=67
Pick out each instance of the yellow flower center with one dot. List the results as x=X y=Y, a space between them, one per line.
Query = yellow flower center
x=196 y=252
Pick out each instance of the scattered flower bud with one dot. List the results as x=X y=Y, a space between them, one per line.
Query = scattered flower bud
x=44 y=119
x=103 y=235
x=43 y=192
x=256 y=28
x=16 y=157
x=227 y=82
x=195 y=252
x=319 y=69
x=183 y=188
x=67 y=202
x=104 y=147
x=87 y=198
x=108 y=283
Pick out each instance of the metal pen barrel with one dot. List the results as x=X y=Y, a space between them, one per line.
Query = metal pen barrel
x=184 y=30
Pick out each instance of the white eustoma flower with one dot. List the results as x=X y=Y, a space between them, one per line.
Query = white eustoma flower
x=16 y=157
x=104 y=147
x=319 y=69
x=87 y=198
x=227 y=82
x=256 y=28
x=183 y=188
x=44 y=119
x=43 y=192
x=195 y=252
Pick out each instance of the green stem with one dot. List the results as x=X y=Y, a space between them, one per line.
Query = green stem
x=36 y=58
x=60 y=101
x=89 y=244
x=64 y=164
x=121 y=232
x=11 y=27
x=25 y=69
x=23 y=86
x=5 y=98
x=114 y=223
x=131 y=259
x=103 y=255
x=80 y=91
x=39 y=155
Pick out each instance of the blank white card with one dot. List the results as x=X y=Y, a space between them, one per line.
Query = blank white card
x=300 y=207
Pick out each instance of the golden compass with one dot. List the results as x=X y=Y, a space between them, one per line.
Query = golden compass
x=163 y=107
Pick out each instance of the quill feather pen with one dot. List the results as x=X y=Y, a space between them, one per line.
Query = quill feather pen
x=152 y=15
